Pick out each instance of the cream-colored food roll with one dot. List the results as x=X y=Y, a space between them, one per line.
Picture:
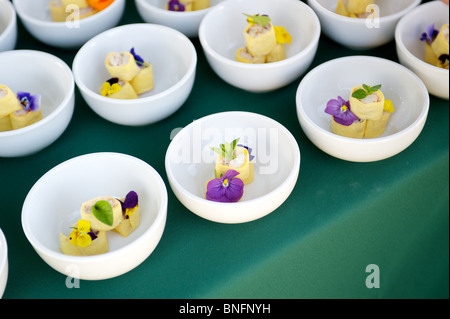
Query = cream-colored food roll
x=342 y=9
x=143 y=81
x=355 y=130
x=277 y=54
x=87 y=12
x=242 y=55
x=98 y=246
x=9 y=102
x=358 y=6
x=22 y=118
x=87 y=213
x=430 y=56
x=201 y=4
x=57 y=11
x=126 y=92
x=122 y=65
x=374 y=128
x=188 y=5
x=260 y=40
x=369 y=108
x=130 y=222
x=440 y=45
x=79 y=3
x=241 y=164
x=5 y=123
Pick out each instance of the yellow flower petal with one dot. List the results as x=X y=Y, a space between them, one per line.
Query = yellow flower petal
x=84 y=240
x=388 y=106
x=73 y=237
x=282 y=35
x=84 y=226
x=105 y=89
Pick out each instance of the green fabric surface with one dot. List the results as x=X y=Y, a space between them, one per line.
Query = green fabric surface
x=341 y=216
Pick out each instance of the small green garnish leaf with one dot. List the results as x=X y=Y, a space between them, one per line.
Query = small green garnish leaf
x=226 y=150
x=365 y=91
x=103 y=211
x=263 y=20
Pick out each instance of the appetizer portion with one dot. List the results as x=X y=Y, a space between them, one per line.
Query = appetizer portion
x=436 y=46
x=18 y=110
x=98 y=216
x=355 y=8
x=61 y=10
x=264 y=42
x=364 y=115
x=131 y=76
x=187 y=5
x=234 y=169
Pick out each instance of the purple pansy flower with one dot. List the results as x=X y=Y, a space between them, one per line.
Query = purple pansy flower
x=29 y=102
x=226 y=189
x=137 y=58
x=430 y=34
x=340 y=110
x=131 y=200
x=249 y=149
x=175 y=5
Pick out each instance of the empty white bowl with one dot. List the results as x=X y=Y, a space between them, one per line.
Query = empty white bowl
x=362 y=33
x=337 y=78
x=154 y=11
x=411 y=50
x=50 y=209
x=36 y=17
x=221 y=34
x=42 y=74
x=3 y=263
x=174 y=62
x=8 y=26
x=190 y=163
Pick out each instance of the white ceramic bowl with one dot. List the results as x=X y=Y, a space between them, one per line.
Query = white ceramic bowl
x=336 y=78
x=8 y=26
x=221 y=38
x=190 y=164
x=174 y=62
x=361 y=34
x=35 y=15
x=411 y=50
x=154 y=11
x=44 y=74
x=49 y=210
x=3 y=263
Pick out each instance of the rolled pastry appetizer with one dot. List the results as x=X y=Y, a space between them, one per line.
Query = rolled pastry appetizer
x=143 y=81
x=242 y=55
x=180 y=5
x=277 y=54
x=374 y=128
x=87 y=12
x=440 y=45
x=9 y=102
x=79 y=3
x=201 y=4
x=130 y=214
x=370 y=107
x=84 y=242
x=22 y=118
x=430 y=56
x=103 y=212
x=122 y=65
x=355 y=130
x=358 y=7
x=118 y=89
x=57 y=11
x=260 y=40
x=342 y=9
x=240 y=163
x=5 y=123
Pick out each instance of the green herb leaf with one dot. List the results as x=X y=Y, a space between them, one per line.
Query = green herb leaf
x=260 y=19
x=375 y=88
x=365 y=91
x=103 y=211
x=226 y=150
x=359 y=94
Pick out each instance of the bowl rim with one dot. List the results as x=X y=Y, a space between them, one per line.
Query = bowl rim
x=303 y=116
x=171 y=14
x=41 y=248
x=52 y=24
x=59 y=108
x=11 y=23
x=181 y=82
x=391 y=17
x=4 y=252
x=266 y=66
x=292 y=174
x=402 y=47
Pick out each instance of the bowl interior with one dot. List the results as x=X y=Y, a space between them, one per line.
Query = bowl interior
x=53 y=203
x=338 y=77
x=191 y=162
x=386 y=7
x=169 y=52
x=6 y=15
x=226 y=38
x=37 y=73
x=415 y=23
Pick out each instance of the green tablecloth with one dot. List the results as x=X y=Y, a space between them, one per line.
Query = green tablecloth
x=316 y=245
